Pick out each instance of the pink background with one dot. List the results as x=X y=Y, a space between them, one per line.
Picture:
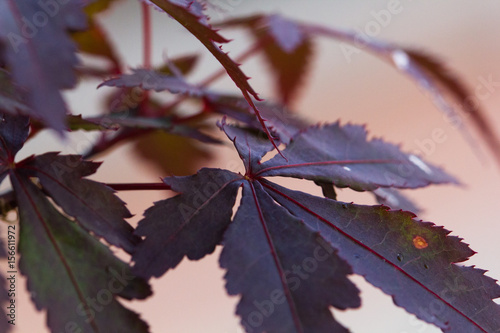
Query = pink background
x=191 y=298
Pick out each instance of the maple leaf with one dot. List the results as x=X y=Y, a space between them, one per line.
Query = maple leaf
x=343 y=155
x=439 y=81
x=289 y=254
x=183 y=64
x=283 y=269
x=129 y=98
x=93 y=204
x=70 y=273
x=167 y=242
x=94 y=41
x=29 y=53
x=153 y=80
x=285 y=46
x=282 y=122
x=409 y=260
x=98 y=6
x=284 y=125
x=10 y=98
x=171 y=154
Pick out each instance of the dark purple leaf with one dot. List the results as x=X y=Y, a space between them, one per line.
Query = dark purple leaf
x=92 y=204
x=13 y=133
x=413 y=261
x=190 y=224
x=152 y=80
x=250 y=145
x=344 y=156
x=72 y=275
x=281 y=122
x=286 y=274
x=269 y=243
x=37 y=64
x=127 y=99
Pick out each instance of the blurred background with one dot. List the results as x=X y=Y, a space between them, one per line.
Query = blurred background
x=359 y=89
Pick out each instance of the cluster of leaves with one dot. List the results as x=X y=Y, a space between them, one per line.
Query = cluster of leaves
x=288 y=254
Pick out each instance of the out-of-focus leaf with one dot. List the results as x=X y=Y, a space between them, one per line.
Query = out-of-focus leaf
x=94 y=41
x=190 y=224
x=37 y=64
x=129 y=98
x=76 y=123
x=446 y=90
x=10 y=98
x=286 y=47
x=185 y=65
x=171 y=154
x=7 y=203
x=70 y=274
x=98 y=6
x=152 y=80
x=163 y=123
x=344 y=156
x=284 y=269
x=439 y=82
x=289 y=68
x=92 y=204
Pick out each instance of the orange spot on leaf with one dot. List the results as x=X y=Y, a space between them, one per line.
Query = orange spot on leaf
x=419 y=242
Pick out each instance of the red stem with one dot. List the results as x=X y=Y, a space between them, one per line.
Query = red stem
x=138 y=186
x=146 y=34
x=146 y=47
